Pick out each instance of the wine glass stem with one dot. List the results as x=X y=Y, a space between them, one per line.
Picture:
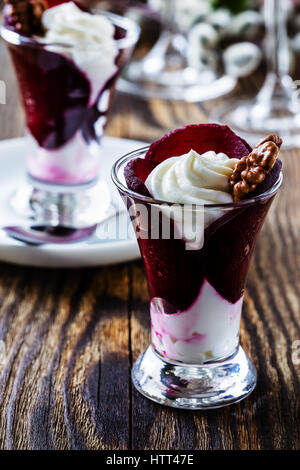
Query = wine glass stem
x=277 y=89
x=277 y=49
x=170 y=51
x=169 y=17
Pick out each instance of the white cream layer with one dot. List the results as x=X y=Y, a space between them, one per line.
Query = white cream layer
x=73 y=163
x=91 y=36
x=207 y=330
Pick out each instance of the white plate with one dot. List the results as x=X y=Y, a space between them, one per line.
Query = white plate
x=98 y=250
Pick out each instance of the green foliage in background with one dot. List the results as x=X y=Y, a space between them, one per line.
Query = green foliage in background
x=235 y=6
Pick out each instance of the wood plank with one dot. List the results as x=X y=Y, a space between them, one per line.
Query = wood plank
x=65 y=378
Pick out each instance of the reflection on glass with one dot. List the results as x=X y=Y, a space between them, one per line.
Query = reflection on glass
x=166 y=70
x=276 y=108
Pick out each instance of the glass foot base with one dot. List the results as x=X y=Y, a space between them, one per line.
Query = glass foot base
x=190 y=93
x=253 y=122
x=65 y=206
x=191 y=386
x=165 y=73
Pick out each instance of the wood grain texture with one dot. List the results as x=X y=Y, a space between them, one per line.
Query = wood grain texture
x=69 y=337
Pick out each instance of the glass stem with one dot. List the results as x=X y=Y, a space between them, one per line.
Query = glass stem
x=278 y=83
x=169 y=17
x=170 y=51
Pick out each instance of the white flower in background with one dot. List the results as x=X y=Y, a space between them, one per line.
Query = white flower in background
x=206 y=27
x=242 y=59
x=187 y=12
x=246 y=24
x=202 y=39
x=221 y=20
x=203 y=59
x=203 y=34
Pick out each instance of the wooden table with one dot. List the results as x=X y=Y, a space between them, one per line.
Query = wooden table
x=71 y=336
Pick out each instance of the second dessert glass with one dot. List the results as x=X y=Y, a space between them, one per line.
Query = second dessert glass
x=66 y=111
x=196 y=260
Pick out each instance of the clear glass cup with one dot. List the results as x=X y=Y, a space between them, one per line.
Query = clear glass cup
x=66 y=109
x=165 y=72
x=196 y=273
x=276 y=107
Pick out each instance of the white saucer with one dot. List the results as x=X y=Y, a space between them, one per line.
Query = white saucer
x=98 y=250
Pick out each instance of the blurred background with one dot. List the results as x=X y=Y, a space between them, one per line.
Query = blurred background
x=193 y=57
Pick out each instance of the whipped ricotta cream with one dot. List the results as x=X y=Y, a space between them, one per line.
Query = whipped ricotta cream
x=208 y=330
x=193 y=179
x=94 y=48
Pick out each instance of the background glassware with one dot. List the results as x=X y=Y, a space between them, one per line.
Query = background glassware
x=165 y=73
x=64 y=129
x=185 y=368
x=276 y=108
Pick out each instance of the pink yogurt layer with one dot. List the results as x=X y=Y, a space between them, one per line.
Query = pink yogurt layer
x=207 y=330
x=73 y=163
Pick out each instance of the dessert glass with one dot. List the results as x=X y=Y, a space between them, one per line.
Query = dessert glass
x=66 y=111
x=196 y=279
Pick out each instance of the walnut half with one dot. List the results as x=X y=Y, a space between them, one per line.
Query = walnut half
x=26 y=15
x=253 y=168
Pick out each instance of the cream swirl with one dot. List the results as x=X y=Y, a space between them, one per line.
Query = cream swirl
x=92 y=37
x=193 y=179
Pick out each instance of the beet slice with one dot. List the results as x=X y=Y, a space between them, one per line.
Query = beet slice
x=55 y=3
x=136 y=172
x=201 y=138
